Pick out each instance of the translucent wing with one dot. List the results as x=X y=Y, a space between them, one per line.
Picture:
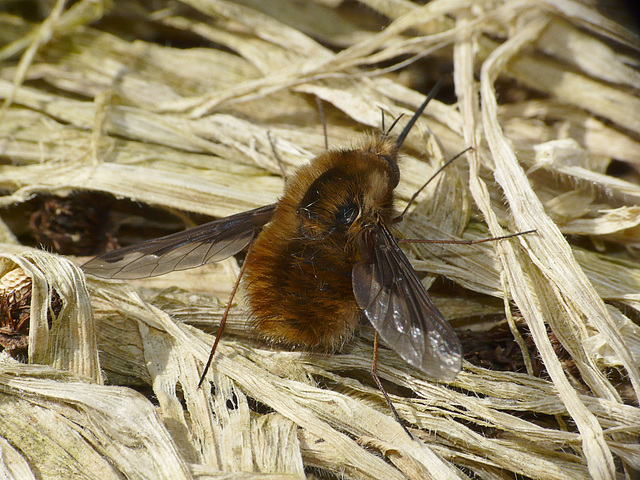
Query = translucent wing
x=395 y=301
x=211 y=242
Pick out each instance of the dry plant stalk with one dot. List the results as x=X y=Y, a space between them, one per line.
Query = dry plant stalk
x=547 y=96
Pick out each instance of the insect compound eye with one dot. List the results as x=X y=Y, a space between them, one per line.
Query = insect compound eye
x=347 y=214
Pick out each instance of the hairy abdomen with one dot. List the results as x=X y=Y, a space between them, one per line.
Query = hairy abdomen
x=299 y=291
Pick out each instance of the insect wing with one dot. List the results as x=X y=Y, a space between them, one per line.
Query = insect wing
x=398 y=306
x=211 y=242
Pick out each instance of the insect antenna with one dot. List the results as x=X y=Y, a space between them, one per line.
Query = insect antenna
x=386 y=133
x=225 y=315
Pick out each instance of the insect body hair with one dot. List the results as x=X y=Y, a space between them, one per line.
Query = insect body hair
x=298 y=279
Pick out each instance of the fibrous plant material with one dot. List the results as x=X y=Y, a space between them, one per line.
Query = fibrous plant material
x=187 y=106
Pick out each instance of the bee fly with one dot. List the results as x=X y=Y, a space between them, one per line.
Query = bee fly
x=324 y=258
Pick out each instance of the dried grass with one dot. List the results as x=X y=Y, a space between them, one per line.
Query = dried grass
x=98 y=107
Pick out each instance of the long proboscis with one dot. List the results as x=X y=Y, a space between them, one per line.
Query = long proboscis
x=407 y=128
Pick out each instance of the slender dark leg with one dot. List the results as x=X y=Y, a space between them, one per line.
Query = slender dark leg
x=374 y=374
x=415 y=195
x=324 y=122
x=465 y=242
x=277 y=157
x=223 y=322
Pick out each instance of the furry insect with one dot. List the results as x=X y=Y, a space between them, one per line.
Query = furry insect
x=324 y=257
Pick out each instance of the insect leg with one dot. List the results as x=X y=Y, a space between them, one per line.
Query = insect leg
x=415 y=195
x=374 y=374
x=278 y=159
x=466 y=242
x=223 y=322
